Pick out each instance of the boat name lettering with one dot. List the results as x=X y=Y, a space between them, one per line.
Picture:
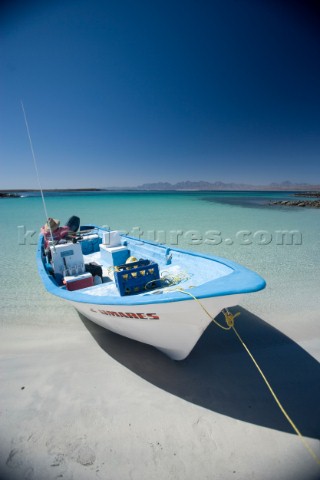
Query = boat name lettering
x=144 y=316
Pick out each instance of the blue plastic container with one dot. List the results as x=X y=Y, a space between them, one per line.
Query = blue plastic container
x=137 y=277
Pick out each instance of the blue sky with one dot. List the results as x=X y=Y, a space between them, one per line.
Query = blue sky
x=120 y=93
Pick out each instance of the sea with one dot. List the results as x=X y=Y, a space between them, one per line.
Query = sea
x=281 y=243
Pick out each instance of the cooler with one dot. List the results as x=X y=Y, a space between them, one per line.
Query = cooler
x=90 y=243
x=66 y=256
x=111 y=238
x=114 y=256
x=75 y=282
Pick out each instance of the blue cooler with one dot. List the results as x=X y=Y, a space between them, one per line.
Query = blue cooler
x=114 y=256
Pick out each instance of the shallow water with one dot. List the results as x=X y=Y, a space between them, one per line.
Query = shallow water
x=238 y=225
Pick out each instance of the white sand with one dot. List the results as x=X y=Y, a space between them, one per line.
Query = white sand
x=80 y=404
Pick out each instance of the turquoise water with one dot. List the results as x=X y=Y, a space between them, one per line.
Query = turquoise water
x=238 y=225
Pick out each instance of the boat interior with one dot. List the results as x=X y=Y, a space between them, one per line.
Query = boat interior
x=128 y=266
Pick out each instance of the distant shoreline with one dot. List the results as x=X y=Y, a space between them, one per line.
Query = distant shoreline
x=17 y=193
x=23 y=190
x=313 y=190
x=301 y=202
x=307 y=191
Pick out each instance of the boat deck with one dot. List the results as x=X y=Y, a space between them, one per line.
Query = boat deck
x=177 y=270
x=176 y=275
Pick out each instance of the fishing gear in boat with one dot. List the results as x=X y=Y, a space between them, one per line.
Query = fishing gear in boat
x=37 y=172
x=51 y=231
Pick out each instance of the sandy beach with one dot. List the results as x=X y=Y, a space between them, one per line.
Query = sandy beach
x=79 y=402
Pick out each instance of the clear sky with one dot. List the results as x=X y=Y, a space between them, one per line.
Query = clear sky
x=124 y=92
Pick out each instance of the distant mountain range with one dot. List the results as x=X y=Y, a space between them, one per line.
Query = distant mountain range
x=182 y=186
x=202 y=185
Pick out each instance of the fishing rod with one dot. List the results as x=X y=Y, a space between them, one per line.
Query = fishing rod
x=37 y=172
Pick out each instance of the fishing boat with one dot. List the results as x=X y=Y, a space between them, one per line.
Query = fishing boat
x=146 y=291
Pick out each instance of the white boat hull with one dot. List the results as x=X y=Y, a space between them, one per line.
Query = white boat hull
x=174 y=328
x=170 y=316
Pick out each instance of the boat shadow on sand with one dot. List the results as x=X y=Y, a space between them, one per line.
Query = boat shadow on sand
x=220 y=376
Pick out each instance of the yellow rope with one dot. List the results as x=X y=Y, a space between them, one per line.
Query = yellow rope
x=229 y=318
x=295 y=428
x=204 y=308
